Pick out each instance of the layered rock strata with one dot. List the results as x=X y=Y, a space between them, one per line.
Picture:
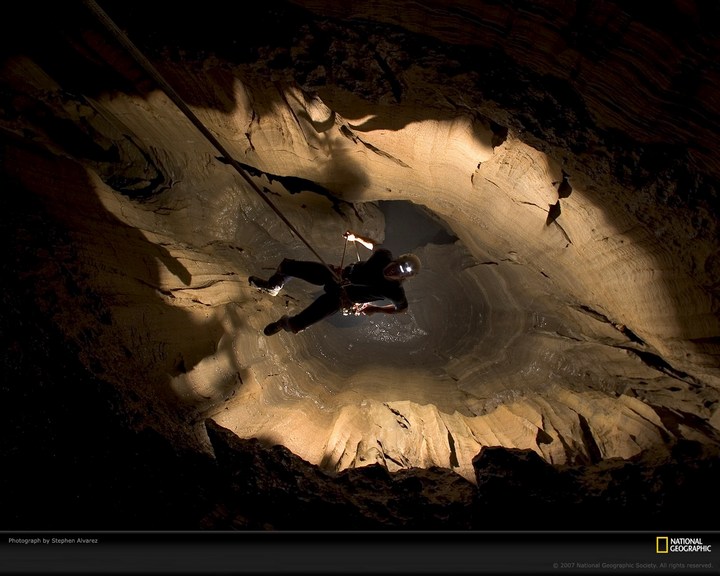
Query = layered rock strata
x=555 y=181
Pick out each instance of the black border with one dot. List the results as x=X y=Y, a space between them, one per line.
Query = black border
x=373 y=552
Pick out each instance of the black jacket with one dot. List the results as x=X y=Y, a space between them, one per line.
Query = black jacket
x=368 y=284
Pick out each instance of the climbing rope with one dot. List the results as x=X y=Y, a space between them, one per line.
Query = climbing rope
x=138 y=56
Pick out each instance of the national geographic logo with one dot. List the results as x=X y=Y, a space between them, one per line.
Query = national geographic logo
x=665 y=545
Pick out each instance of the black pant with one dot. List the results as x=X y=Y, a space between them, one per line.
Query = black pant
x=316 y=273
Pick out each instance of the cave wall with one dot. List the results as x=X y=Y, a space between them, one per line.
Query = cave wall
x=582 y=337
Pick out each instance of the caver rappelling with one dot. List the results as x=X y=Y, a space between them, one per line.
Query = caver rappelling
x=351 y=288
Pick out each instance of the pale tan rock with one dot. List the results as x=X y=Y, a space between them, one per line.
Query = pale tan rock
x=569 y=337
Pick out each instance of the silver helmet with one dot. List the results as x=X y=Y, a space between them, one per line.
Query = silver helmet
x=408 y=264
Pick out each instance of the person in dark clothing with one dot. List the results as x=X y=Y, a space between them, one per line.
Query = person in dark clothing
x=351 y=288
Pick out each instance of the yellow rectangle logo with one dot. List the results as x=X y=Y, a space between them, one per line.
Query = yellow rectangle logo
x=661 y=545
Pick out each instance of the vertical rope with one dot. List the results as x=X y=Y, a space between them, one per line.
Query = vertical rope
x=138 y=56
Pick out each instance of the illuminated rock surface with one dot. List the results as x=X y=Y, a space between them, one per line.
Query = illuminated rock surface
x=555 y=180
